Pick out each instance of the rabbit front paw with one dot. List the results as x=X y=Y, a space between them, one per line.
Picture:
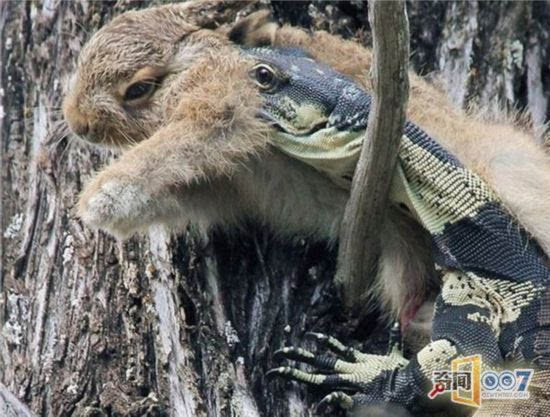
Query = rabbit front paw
x=114 y=206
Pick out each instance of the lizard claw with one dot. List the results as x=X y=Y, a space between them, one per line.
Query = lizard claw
x=334 y=345
x=395 y=338
x=322 y=361
x=292 y=353
x=336 y=398
x=275 y=372
x=316 y=336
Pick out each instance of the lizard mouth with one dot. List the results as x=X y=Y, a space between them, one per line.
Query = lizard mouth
x=292 y=129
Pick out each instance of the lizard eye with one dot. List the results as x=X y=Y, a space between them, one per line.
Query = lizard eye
x=264 y=76
x=140 y=90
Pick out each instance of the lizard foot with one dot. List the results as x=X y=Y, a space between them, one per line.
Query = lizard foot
x=344 y=368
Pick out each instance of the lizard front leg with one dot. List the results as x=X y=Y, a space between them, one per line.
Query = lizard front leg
x=465 y=323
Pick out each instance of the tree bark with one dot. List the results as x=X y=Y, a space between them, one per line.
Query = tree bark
x=365 y=210
x=169 y=326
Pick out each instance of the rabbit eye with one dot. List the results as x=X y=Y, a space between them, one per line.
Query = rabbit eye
x=140 y=89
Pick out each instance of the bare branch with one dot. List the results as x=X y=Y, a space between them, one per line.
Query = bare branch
x=365 y=211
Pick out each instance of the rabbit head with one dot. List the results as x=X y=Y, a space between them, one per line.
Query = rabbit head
x=114 y=97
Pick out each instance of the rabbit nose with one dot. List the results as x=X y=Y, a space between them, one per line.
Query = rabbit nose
x=76 y=120
x=81 y=128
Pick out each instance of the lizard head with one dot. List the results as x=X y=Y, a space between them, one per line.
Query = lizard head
x=319 y=115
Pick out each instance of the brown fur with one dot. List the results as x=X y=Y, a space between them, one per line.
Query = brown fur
x=195 y=152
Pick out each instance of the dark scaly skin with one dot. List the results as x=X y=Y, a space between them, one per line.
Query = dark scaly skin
x=494 y=299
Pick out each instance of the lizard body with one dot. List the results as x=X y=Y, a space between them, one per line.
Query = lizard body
x=495 y=279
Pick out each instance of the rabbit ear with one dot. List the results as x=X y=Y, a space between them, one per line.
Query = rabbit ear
x=210 y=14
x=256 y=29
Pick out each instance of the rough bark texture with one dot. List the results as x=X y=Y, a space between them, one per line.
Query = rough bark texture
x=168 y=326
x=365 y=210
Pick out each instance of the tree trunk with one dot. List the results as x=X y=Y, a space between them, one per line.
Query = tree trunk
x=170 y=326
